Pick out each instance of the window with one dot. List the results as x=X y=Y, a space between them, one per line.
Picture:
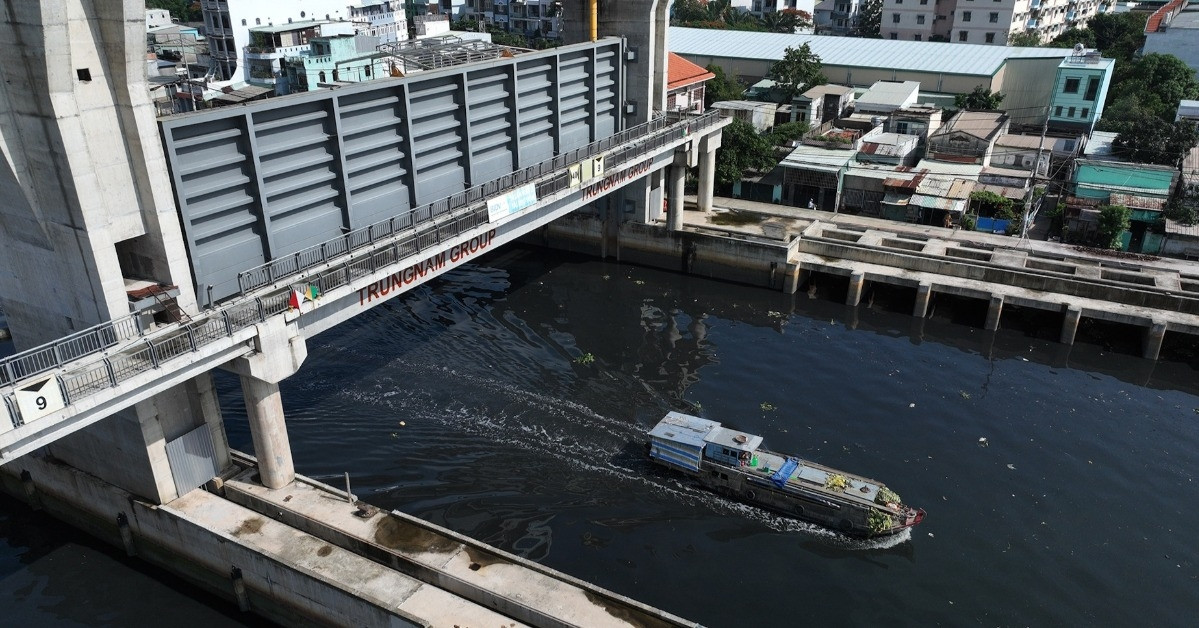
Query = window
x=962 y=35
x=894 y=35
x=965 y=16
x=1086 y=111
x=895 y=18
x=1072 y=85
x=916 y=36
x=993 y=18
x=243 y=21
x=898 y=1
x=923 y=1
x=1057 y=112
x=990 y=38
x=1070 y=112
x=1092 y=88
x=919 y=19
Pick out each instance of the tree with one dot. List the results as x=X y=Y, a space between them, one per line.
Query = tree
x=742 y=149
x=798 y=70
x=785 y=21
x=1184 y=205
x=1148 y=87
x=990 y=204
x=1025 y=39
x=1119 y=35
x=870 y=19
x=981 y=99
x=1150 y=140
x=786 y=132
x=1113 y=221
x=722 y=87
x=1072 y=36
x=182 y=10
x=683 y=11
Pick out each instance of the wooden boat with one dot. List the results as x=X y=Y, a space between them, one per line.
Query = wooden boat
x=734 y=464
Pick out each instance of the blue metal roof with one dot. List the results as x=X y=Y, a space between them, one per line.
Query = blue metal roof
x=684 y=428
x=915 y=56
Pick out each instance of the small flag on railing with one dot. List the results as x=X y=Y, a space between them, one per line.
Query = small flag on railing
x=294 y=300
x=312 y=293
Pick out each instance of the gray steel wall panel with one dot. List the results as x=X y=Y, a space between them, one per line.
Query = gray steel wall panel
x=264 y=180
x=193 y=459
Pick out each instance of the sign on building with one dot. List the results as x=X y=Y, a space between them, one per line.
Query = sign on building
x=39 y=399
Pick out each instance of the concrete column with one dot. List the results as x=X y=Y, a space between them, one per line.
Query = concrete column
x=923 y=292
x=794 y=278
x=264 y=406
x=856 y=282
x=1153 y=340
x=678 y=174
x=707 y=170
x=994 y=310
x=1070 y=324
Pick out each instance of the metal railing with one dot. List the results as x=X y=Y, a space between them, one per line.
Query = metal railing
x=125 y=347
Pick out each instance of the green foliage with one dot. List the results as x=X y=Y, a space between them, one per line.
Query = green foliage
x=870 y=19
x=585 y=359
x=987 y=203
x=798 y=70
x=742 y=149
x=969 y=222
x=981 y=99
x=723 y=87
x=182 y=10
x=887 y=496
x=721 y=14
x=1072 y=36
x=1118 y=35
x=783 y=133
x=1148 y=87
x=836 y=482
x=1150 y=140
x=879 y=521
x=1184 y=206
x=1025 y=39
x=1113 y=221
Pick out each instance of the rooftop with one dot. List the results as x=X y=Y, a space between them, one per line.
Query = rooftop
x=922 y=56
x=289 y=27
x=980 y=124
x=888 y=95
x=1187 y=109
x=1061 y=145
x=827 y=89
x=681 y=73
x=1100 y=146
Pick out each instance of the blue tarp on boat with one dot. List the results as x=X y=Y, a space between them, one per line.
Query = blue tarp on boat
x=781 y=476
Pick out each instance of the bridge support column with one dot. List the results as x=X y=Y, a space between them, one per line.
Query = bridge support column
x=678 y=174
x=1153 y=340
x=264 y=407
x=994 y=310
x=1070 y=325
x=707 y=170
x=923 y=294
x=856 y=282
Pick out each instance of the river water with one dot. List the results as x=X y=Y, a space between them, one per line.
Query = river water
x=510 y=399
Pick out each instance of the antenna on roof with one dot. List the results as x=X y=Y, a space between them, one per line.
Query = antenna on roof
x=1079 y=48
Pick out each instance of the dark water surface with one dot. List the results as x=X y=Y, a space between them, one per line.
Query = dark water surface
x=509 y=401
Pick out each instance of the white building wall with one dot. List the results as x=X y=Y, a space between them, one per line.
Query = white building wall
x=228 y=22
x=384 y=19
x=982 y=21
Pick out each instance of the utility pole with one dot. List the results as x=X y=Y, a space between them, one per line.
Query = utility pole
x=1032 y=185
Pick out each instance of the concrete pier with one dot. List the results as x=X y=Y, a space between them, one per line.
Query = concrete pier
x=923 y=293
x=854 y=294
x=707 y=171
x=1153 y=340
x=264 y=407
x=678 y=175
x=1070 y=324
x=994 y=311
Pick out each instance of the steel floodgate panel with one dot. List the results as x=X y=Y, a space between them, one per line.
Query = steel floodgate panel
x=264 y=180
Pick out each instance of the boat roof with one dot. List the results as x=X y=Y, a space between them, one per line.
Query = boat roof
x=733 y=439
x=684 y=428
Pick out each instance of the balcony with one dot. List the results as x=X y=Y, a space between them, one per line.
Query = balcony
x=1071 y=16
x=1034 y=4
x=1031 y=24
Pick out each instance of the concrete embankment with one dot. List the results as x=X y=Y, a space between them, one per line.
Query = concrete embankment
x=785 y=247
x=304 y=555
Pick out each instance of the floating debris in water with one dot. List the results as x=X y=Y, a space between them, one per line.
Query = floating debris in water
x=1011 y=466
x=911 y=405
x=983 y=442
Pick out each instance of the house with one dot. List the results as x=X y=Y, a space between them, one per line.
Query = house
x=270 y=45
x=888 y=148
x=760 y=114
x=921 y=120
x=822 y=103
x=1019 y=152
x=685 y=83
x=969 y=137
x=335 y=60
x=812 y=174
x=837 y=17
x=1187 y=110
x=385 y=19
x=1079 y=91
x=1143 y=188
x=885 y=97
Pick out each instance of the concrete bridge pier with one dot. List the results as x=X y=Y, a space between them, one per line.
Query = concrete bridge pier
x=854 y=295
x=923 y=293
x=281 y=351
x=1070 y=325
x=994 y=311
x=684 y=159
x=1154 y=335
x=707 y=170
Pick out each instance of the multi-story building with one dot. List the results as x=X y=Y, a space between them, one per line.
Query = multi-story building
x=837 y=17
x=991 y=22
x=531 y=18
x=1080 y=90
x=762 y=7
x=385 y=19
x=335 y=60
x=271 y=45
x=227 y=24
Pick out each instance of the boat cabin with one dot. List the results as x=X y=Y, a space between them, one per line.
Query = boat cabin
x=683 y=441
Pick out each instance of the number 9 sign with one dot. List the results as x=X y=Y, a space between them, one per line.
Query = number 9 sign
x=39 y=399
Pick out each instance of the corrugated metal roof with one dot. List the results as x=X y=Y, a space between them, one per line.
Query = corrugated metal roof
x=970 y=171
x=1133 y=201
x=920 y=56
x=819 y=159
x=1173 y=227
